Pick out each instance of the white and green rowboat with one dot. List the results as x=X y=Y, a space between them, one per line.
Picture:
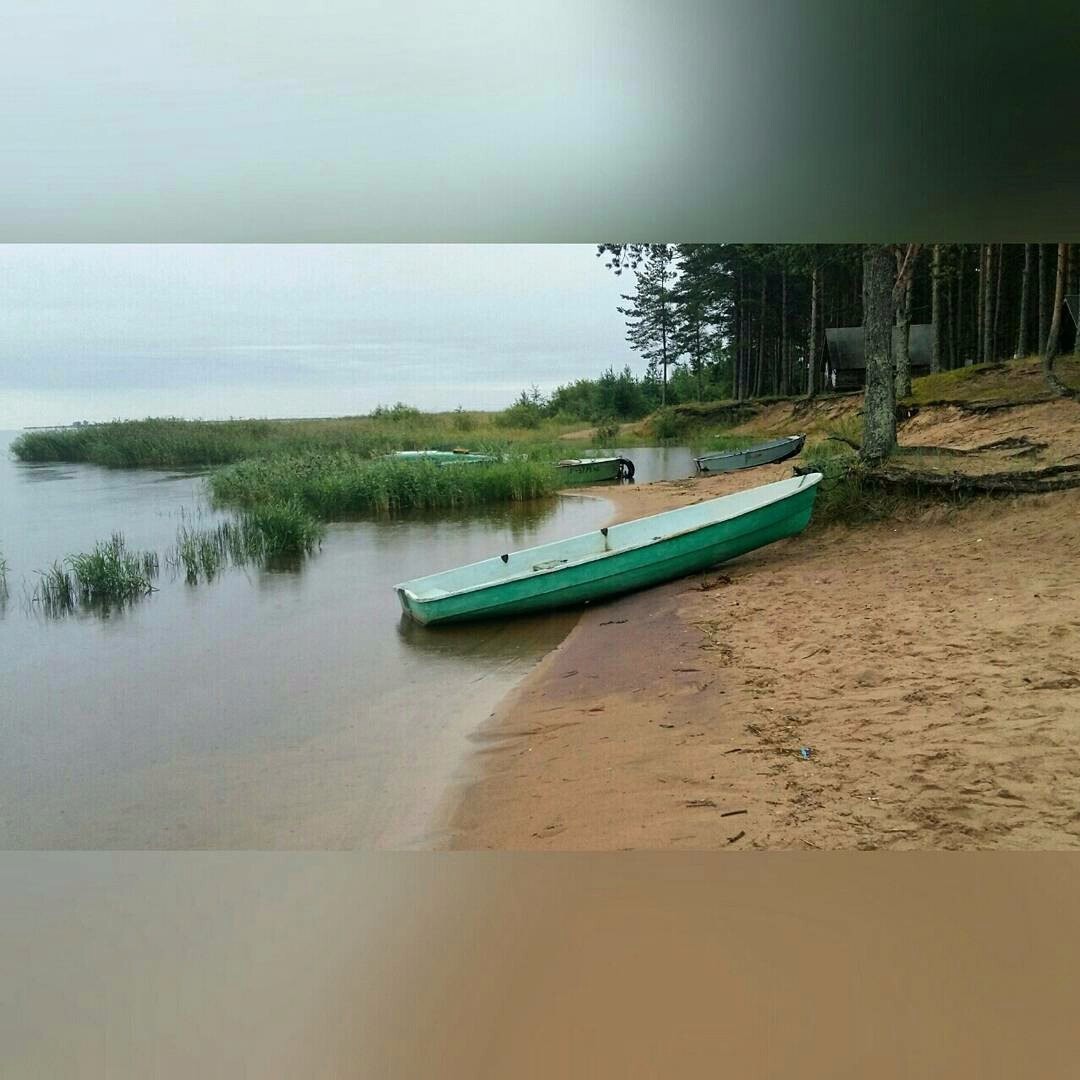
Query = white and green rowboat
x=767 y=453
x=593 y=470
x=614 y=560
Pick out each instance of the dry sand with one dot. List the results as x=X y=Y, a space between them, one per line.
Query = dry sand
x=929 y=667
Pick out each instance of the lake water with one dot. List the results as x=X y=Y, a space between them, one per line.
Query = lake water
x=271 y=708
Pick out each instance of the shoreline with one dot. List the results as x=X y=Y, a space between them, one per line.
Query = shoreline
x=497 y=729
x=676 y=717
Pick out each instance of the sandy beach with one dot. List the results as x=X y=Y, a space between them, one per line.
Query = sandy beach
x=909 y=684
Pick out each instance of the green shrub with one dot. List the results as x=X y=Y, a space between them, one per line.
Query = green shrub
x=607 y=431
x=396 y=414
x=665 y=424
x=463 y=421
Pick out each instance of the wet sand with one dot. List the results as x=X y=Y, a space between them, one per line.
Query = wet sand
x=912 y=684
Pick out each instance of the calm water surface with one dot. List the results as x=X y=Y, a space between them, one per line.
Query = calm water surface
x=272 y=708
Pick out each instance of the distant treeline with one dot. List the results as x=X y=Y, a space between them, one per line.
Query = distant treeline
x=710 y=319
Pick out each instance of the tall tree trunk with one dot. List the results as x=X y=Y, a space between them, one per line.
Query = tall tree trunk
x=1070 y=290
x=663 y=345
x=815 y=282
x=995 y=337
x=698 y=361
x=1025 y=285
x=987 y=353
x=973 y=354
x=761 y=346
x=951 y=323
x=1044 y=314
x=961 y=343
x=935 y=311
x=980 y=320
x=783 y=334
x=902 y=359
x=736 y=373
x=1054 y=335
x=879 y=402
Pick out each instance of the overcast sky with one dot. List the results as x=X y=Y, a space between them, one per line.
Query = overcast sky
x=96 y=332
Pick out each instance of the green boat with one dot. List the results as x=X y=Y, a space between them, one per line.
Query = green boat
x=593 y=470
x=614 y=560
x=440 y=457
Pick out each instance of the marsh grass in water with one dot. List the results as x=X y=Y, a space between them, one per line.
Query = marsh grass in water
x=107 y=576
x=263 y=533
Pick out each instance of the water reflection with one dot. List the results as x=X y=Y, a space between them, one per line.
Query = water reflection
x=496 y=640
x=284 y=706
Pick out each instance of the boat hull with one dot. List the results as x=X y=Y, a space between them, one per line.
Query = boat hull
x=591 y=472
x=770 y=454
x=622 y=571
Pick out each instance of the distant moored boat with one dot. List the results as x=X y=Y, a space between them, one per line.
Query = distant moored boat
x=440 y=457
x=767 y=453
x=593 y=470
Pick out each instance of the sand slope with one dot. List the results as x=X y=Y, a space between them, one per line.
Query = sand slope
x=930 y=666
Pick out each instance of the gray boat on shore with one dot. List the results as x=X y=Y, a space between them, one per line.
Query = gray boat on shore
x=767 y=453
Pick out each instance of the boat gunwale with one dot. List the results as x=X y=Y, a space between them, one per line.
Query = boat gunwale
x=809 y=480
x=567 y=463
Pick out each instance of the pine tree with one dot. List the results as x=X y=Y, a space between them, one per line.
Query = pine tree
x=650 y=315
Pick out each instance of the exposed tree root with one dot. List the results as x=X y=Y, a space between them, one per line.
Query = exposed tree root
x=1060 y=389
x=845 y=440
x=1052 y=478
x=1021 y=443
x=978 y=408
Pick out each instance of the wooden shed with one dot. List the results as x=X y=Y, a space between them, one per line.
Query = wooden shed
x=845 y=364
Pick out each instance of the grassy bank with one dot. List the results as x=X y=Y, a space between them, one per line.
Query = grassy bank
x=340 y=484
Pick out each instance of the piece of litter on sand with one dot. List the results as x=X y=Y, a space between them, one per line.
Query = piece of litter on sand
x=738 y=836
x=732 y=813
x=805 y=753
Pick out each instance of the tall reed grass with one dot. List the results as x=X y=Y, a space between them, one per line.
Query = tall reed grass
x=264 y=532
x=335 y=485
x=106 y=576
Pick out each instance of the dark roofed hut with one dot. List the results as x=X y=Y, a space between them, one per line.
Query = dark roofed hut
x=845 y=363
